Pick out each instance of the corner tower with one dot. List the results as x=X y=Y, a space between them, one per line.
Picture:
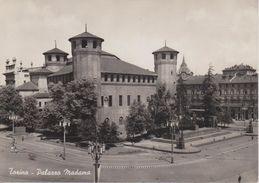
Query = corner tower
x=86 y=53
x=165 y=60
x=55 y=59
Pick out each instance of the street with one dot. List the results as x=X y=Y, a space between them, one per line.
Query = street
x=223 y=162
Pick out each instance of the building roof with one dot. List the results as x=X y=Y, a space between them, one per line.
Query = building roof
x=86 y=35
x=29 y=86
x=41 y=95
x=64 y=71
x=224 y=80
x=239 y=67
x=115 y=65
x=42 y=71
x=55 y=51
x=165 y=49
x=111 y=64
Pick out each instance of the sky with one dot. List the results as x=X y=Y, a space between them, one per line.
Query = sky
x=220 y=33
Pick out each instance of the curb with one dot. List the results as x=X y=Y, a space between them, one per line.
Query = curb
x=168 y=151
x=220 y=140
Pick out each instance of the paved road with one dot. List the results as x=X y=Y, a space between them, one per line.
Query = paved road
x=222 y=162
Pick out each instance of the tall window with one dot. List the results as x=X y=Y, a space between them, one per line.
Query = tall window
x=84 y=43
x=153 y=79
x=129 y=78
x=39 y=104
x=94 y=44
x=148 y=79
x=134 y=79
x=118 y=77
x=138 y=79
x=128 y=100
x=110 y=100
x=49 y=58
x=139 y=98
x=58 y=57
x=171 y=56
x=144 y=79
x=123 y=78
x=112 y=77
x=120 y=100
x=105 y=77
x=163 y=56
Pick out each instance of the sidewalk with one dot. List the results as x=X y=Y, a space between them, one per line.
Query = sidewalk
x=190 y=147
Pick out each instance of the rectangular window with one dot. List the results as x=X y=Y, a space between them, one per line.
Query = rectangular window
x=112 y=78
x=138 y=98
x=110 y=100
x=153 y=79
x=134 y=79
x=84 y=43
x=49 y=58
x=123 y=78
x=171 y=56
x=148 y=79
x=144 y=79
x=163 y=56
x=45 y=103
x=128 y=100
x=102 y=103
x=120 y=100
x=39 y=104
x=118 y=77
x=105 y=77
x=138 y=79
x=94 y=44
x=129 y=78
x=58 y=57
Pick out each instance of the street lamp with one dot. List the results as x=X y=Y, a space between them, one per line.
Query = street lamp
x=172 y=125
x=96 y=150
x=64 y=124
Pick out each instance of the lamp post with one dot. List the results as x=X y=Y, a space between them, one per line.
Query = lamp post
x=13 y=118
x=96 y=150
x=64 y=124
x=172 y=125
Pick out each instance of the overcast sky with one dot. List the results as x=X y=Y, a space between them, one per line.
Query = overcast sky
x=218 y=32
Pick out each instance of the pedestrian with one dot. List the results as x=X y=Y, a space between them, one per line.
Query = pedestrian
x=239 y=179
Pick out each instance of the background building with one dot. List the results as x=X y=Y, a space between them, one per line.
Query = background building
x=237 y=91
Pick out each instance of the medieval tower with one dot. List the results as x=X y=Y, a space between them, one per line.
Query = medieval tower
x=165 y=61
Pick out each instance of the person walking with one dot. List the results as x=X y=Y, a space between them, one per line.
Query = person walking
x=239 y=179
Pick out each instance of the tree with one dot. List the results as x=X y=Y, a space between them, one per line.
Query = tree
x=31 y=113
x=50 y=117
x=80 y=103
x=10 y=101
x=210 y=100
x=104 y=132
x=57 y=92
x=114 y=133
x=181 y=98
x=159 y=106
x=136 y=119
x=108 y=133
